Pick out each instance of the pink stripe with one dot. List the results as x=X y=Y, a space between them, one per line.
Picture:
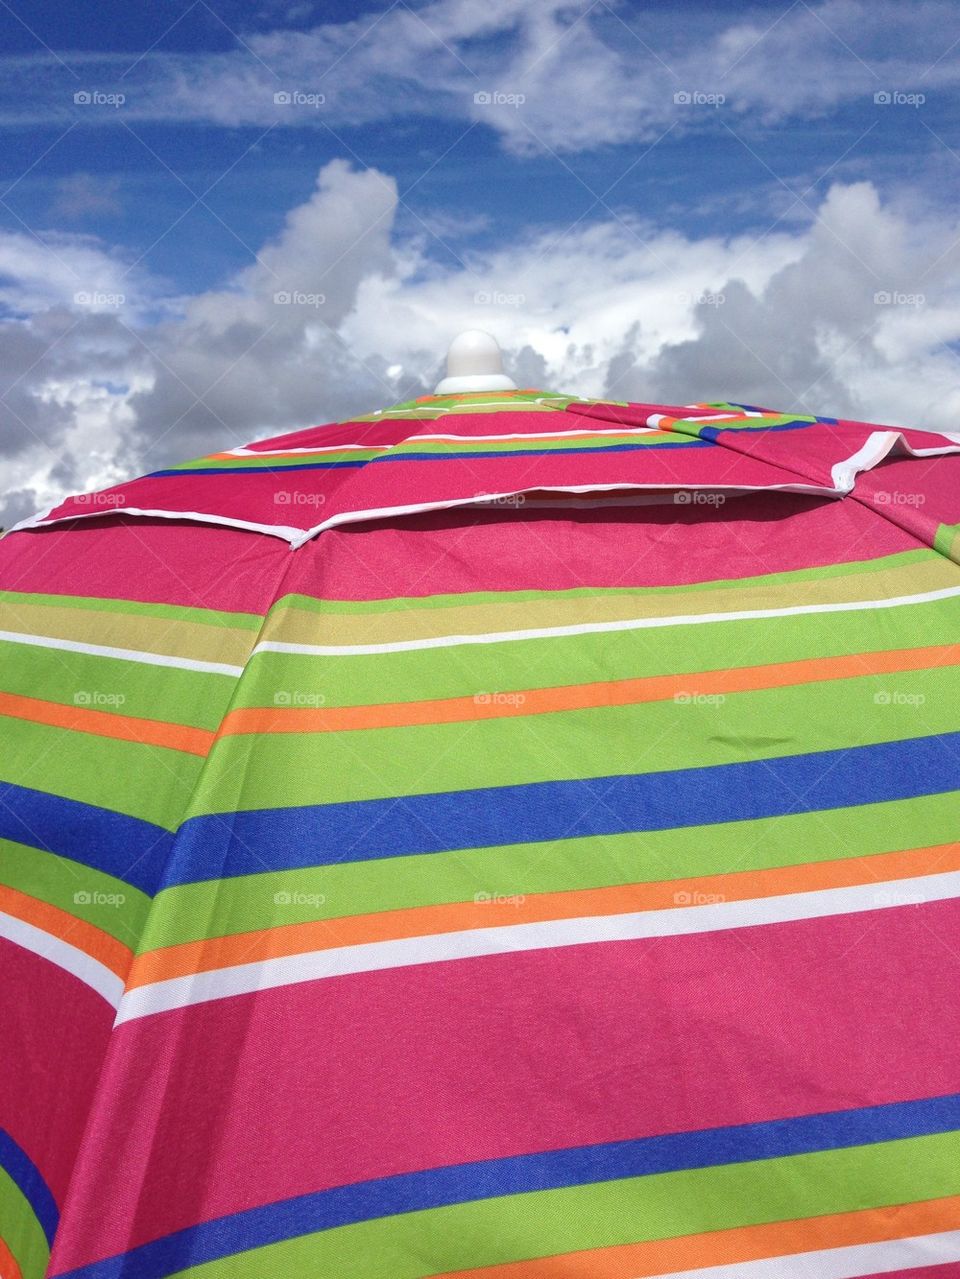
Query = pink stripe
x=396 y=483
x=920 y=507
x=437 y=553
x=950 y=1270
x=55 y=1032
x=261 y=1097
x=277 y=497
x=371 y=434
x=153 y=561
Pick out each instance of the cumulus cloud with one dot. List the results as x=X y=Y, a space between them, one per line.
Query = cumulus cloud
x=558 y=75
x=856 y=312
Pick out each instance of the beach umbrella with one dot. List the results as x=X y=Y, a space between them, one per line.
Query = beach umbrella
x=507 y=835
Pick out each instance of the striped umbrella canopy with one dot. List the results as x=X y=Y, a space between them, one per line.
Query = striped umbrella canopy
x=508 y=835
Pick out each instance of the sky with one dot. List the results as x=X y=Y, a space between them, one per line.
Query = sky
x=222 y=221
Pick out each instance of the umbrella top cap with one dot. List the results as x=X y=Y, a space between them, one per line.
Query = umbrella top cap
x=474 y=363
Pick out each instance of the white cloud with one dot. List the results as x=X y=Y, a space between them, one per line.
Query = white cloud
x=569 y=76
x=854 y=313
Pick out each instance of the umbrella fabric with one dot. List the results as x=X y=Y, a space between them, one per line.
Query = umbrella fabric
x=508 y=835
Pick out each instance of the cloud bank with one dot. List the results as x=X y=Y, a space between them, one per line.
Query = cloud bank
x=559 y=75
x=104 y=373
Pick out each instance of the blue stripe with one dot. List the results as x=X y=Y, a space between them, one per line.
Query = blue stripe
x=427 y=457
x=739 y=428
x=228 y=844
x=525 y=1174
x=26 y=1176
x=752 y=408
x=125 y=847
x=252 y=470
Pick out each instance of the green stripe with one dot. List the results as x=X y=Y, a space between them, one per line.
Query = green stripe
x=480 y=402
x=417 y=445
x=947 y=541
x=20 y=1230
x=693 y=426
x=277 y=464
x=463 y=670
x=402 y=604
x=58 y=880
x=149 y=782
x=479 y=397
x=275 y=770
x=217 y=908
x=661 y=1206
x=165 y=693
x=166 y=612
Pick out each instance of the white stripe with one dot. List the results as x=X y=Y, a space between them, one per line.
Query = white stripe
x=72 y=960
x=879 y=445
x=537 y=435
x=702 y=417
x=592 y=628
x=848 y=1262
x=876 y=448
x=197 y=988
x=122 y=654
x=285 y=531
x=316 y=448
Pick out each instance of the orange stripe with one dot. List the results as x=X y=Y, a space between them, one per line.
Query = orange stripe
x=572 y=697
x=126 y=728
x=93 y=941
x=9 y=1267
x=732 y=1247
x=425 y=921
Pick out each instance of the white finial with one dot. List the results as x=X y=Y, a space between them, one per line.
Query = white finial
x=474 y=363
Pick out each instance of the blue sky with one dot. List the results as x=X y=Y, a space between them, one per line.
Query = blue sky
x=640 y=200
